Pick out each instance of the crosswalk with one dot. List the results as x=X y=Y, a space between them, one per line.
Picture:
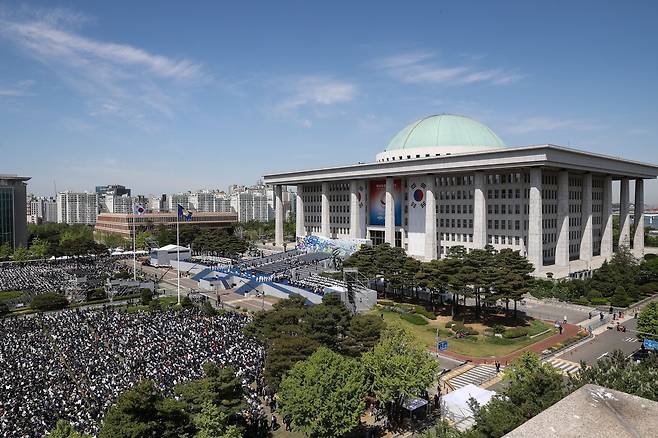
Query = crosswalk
x=564 y=366
x=631 y=339
x=477 y=375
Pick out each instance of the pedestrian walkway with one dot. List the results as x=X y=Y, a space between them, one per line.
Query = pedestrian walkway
x=564 y=366
x=476 y=375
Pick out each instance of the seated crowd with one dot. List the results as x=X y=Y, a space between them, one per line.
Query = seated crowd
x=73 y=365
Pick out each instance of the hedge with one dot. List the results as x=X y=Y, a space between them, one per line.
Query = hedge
x=515 y=333
x=413 y=318
x=10 y=295
x=49 y=301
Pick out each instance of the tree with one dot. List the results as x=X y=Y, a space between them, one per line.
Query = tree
x=647 y=321
x=39 y=249
x=283 y=353
x=617 y=372
x=64 y=429
x=49 y=301
x=143 y=412
x=21 y=254
x=324 y=395
x=212 y=422
x=533 y=387
x=326 y=323
x=146 y=295
x=5 y=251
x=141 y=240
x=398 y=366
x=362 y=335
x=220 y=387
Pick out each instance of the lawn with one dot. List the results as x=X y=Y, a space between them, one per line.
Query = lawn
x=476 y=346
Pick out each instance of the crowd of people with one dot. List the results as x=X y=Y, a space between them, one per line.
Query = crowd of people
x=41 y=276
x=73 y=365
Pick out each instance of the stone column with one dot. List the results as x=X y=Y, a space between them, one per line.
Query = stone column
x=638 y=238
x=300 y=218
x=430 y=218
x=586 y=246
x=355 y=211
x=325 y=229
x=535 y=226
x=479 y=212
x=389 y=213
x=278 y=216
x=606 y=219
x=624 y=216
x=562 y=246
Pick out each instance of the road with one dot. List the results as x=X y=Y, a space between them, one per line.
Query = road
x=606 y=343
x=555 y=311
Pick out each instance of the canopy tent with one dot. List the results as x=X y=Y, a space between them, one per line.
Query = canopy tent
x=455 y=404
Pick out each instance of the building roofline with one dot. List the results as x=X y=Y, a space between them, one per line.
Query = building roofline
x=14 y=177
x=537 y=155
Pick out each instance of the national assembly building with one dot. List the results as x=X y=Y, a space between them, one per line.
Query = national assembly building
x=448 y=180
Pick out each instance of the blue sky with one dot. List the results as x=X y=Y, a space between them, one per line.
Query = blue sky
x=169 y=96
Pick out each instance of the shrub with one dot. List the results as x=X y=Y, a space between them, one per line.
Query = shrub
x=498 y=329
x=423 y=311
x=515 y=333
x=386 y=302
x=413 y=318
x=208 y=309
x=598 y=301
x=155 y=305
x=649 y=288
x=146 y=295
x=96 y=294
x=10 y=295
x=49 y=301
x=4 y=309
x=186 y=303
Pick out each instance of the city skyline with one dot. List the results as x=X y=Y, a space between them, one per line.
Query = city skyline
x=119 y=98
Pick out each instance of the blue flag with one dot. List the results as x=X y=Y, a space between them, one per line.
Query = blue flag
x=184 y=213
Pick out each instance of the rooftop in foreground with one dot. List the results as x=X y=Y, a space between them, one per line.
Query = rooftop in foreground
x=593 y=411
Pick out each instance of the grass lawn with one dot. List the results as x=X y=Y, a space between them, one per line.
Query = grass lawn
x=477 y=346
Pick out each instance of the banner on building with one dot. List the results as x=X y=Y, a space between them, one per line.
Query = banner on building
x=378 y=202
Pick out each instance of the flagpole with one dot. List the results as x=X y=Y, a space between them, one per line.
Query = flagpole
x=134 y=248
x=178 y=258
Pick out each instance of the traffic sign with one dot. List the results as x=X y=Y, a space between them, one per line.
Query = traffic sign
x=650 y=345
x=443 y=345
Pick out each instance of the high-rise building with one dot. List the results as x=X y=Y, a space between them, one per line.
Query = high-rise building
x=41 y=209
x=116 y=204
x=77 y=208
x=222 y=203
x=157 y=204
x=13 y=210
x=201 y=201
x=113 y=189
x=174 y=199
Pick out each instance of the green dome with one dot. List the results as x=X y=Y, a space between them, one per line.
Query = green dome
x=445 y=130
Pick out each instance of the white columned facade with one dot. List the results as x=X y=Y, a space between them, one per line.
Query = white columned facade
x=586 y=240
x=638 y=238
x=606 y=219
x=430 y=219
x=535 y=228
x=389 y=213
x=300 y=226
x=562 y=245
x=278 y=215
x=624 y=215
x=324 y=211
x=479 y=212
x=355 y=210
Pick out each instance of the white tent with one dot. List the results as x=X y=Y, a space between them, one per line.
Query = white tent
x=455 y=404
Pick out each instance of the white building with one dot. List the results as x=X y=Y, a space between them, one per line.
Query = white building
x=117 y=204
x=174 y=199
x=448 y=180
x=202 y=201
x=250 y=205
x=41 y=209
x=222 y=203
x=77 y=208
x=157 y=204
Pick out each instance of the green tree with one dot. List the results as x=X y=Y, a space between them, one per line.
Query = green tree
x=49 y=301
x=326 y=323
x=39 y=249
x=362 y=335
x=283 y=353
x=142 y=411
x=212 y=422
x=220 y=387
x=21 y=254
x=398 y=366
x=324 y=395
x=64 y=429
x=141 y=240
x=5 y=251
x=617 y=372
x=647 y=321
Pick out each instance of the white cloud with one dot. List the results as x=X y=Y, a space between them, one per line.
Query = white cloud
x=421 y=67
x=19 y=89
x=111 y=75
x=535 y=124
x=317 y=91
